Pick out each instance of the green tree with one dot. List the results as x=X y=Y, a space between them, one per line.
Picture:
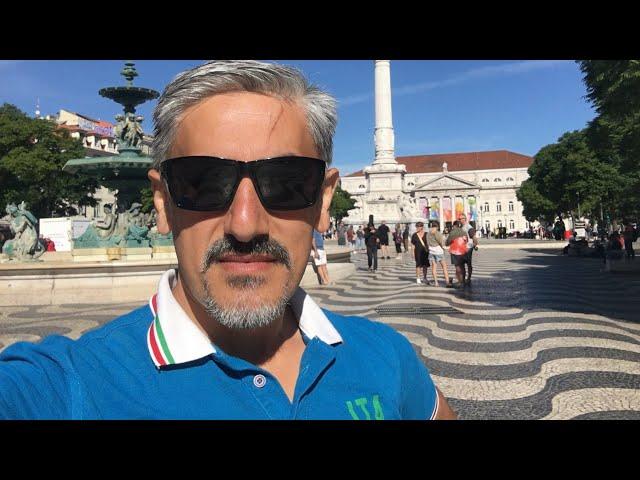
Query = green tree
x=341 y=203
x=567 y=176
x=32 y=154
x=146 y=199
x=613 y=88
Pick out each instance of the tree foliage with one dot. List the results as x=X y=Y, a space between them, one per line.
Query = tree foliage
x=613 y=87
x=32 y=154
x=565 y=175
x=341 y=203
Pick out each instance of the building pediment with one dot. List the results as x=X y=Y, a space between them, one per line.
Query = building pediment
x=445 y=182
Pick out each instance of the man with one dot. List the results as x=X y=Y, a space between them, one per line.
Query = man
x=320 y=257
x=371 y=240
x=242 y=178
x=472 y=244
x=421 y=251
x=458 y=242
x=383 y=235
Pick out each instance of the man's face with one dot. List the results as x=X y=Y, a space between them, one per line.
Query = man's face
x=242 y=264
x=463 y=219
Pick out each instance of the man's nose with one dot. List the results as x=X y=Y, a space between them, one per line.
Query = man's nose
x=246 y=217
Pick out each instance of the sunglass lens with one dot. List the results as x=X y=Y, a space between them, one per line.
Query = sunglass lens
x=201 y=183
x=289 y=183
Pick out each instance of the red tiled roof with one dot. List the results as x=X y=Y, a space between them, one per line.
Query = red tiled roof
x=462 y=161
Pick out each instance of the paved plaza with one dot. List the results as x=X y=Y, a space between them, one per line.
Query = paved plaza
x=537 y=335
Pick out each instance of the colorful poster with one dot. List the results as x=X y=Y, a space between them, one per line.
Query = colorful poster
x=446 y=209
x=423 y=207
x=434 y=210
x=473 y=209
x=459 y=207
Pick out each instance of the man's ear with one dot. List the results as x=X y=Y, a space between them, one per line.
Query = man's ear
x=161 y=201
x=328 y=187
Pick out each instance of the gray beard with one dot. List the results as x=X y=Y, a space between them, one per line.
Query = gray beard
x=240 y=316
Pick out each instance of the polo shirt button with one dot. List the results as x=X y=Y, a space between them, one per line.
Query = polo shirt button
x=259 y=380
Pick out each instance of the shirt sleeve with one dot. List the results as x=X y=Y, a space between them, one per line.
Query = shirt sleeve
x=34 y=383
x=419 y=394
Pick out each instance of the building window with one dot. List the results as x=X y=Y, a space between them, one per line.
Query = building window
x=499 y=223
x=512 y=225
x=486 y=207
x=487 y=225
x=361 y=186
x=496 y=180
x=498 y=207
x=485 y=180
x=510 y=179
x=511 y=206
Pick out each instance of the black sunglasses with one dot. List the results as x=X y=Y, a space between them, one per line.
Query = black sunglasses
x=202 y=183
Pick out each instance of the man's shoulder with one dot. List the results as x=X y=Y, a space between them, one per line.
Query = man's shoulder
x=361 y=332
x=127 y=324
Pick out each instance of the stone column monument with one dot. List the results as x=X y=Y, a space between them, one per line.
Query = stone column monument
x=384 y=197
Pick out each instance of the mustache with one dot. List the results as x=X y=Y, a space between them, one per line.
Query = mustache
x=258 y=245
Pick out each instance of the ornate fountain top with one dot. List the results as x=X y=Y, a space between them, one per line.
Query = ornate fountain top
x=129 y=72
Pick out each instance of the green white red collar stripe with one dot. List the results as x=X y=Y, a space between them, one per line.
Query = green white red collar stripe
x=174 y=338
x=156 y=340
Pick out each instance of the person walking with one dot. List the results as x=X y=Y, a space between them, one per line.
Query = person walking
x=360 y=239
x=436 y=244
x=320 y=257
x=457 y=241
x=371 y=240
x=629 y=237
x=397 y=239
x=472 y=244
x=419 y=242
x=383 y=235
x=405 y=238
x=351 y=242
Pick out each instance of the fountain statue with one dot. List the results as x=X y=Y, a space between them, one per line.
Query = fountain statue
x=25 y=244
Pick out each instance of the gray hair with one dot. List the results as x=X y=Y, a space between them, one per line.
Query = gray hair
x=224 y=76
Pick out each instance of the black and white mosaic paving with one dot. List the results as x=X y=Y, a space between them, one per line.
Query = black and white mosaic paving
x=536 y=336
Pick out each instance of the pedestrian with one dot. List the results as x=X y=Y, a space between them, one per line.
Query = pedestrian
x=320 y=257
x=405 y=238
x=436 y=244
x=397 y=238
x=383 y=235
x=372 y=242
x=421 y=252
x=629 y=237
x=457 y=241
x=242 y=176
x=351 y=237
x=472 y=245
x=360 y=239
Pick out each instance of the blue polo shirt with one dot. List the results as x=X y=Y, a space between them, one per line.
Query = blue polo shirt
x=155 y=363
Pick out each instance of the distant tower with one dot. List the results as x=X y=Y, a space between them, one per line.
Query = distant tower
x=38 y=108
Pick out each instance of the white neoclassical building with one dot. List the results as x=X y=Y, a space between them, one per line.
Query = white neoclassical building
x=434 y=187
x=441 y=187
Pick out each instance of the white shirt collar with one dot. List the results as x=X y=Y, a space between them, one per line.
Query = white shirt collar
x=174 y=338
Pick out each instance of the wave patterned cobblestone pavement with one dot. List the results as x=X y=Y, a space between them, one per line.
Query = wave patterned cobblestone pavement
x=537 y=336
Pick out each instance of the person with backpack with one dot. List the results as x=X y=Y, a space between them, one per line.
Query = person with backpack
x=457 y=241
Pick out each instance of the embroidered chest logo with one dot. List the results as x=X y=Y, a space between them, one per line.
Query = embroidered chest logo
x=359 y=408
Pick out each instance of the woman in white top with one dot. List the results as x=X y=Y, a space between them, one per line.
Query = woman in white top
x=435 y=242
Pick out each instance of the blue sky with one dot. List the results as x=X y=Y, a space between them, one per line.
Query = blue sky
x=438 y=106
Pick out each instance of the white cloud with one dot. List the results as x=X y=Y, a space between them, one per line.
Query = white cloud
x=501 y=70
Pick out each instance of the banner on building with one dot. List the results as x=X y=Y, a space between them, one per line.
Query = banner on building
x=446 y=209
x=423 y=207
x=473 y=209
x=459 y=207
x=434 y=210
